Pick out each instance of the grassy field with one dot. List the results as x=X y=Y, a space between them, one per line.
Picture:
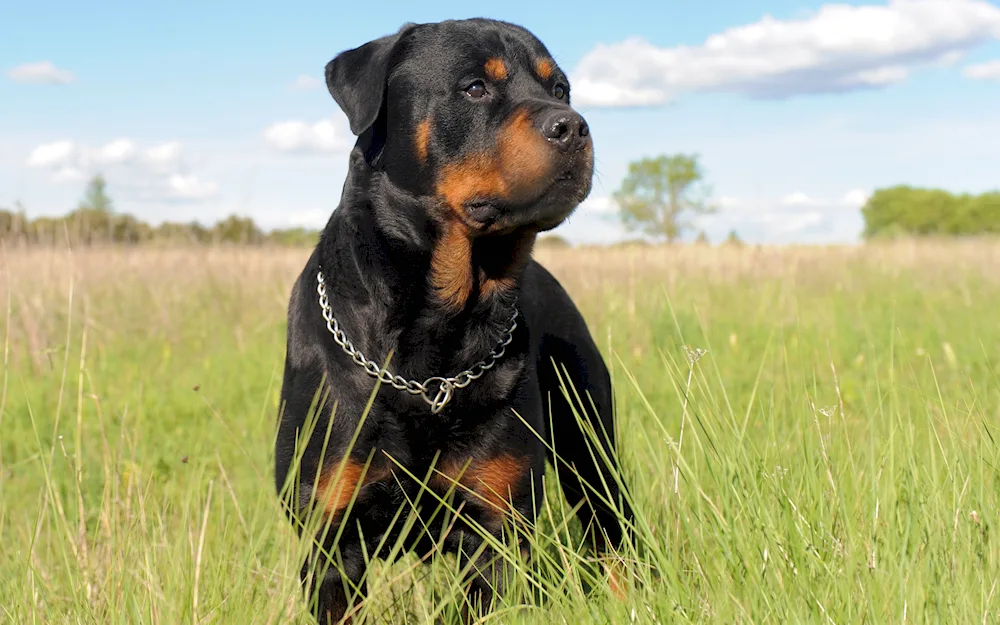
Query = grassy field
x=830 y=458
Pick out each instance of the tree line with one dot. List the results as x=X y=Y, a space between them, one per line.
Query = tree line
x=95 y=221
x=657 y=198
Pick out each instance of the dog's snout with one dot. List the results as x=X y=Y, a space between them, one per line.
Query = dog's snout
x=566 y=129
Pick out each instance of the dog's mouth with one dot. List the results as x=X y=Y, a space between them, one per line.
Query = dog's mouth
x=545 y=209
x=483 y=212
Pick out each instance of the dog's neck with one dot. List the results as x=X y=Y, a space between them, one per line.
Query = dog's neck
x=464 y=273
x=441 y=299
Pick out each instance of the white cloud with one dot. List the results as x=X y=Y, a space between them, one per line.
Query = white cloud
x=42 y=72
x=796 y=216
x=598 y=205
x=69 y=174
x=725 y=202
x=800 y=222
x=304 y=82
x=51 y=154
x=165 y=153
x=856 y=198
x=838 y=48
x=798 y=198
x=990 y=70
x=327 y=135
x=191 y=188
x=156 y=173
x=583 y=227
x=314 y=218
x=949 y=59
x=118 y=151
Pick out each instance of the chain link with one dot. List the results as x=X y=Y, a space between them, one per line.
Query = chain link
x=444 y=387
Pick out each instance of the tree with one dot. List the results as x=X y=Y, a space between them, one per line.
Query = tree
x=96 y=197
x=658 y=192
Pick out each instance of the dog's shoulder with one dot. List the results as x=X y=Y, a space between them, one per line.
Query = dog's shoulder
x=547 y=306
x=542 y=289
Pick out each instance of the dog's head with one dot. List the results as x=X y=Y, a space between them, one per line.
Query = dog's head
x=474 y=114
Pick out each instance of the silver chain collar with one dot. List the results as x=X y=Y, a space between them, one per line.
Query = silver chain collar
x=445 y=387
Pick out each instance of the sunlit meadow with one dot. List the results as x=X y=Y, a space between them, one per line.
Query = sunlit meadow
x=809 y=435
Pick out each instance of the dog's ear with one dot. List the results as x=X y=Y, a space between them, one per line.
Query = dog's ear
x=357 y=78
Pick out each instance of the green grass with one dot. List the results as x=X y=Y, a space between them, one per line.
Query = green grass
x=837 y=463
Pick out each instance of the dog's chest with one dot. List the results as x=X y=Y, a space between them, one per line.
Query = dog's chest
x=405 y=430
x=442 y=457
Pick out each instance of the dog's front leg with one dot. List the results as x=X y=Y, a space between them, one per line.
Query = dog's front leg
x=491 y=548
x=486 y=574
x=335 y=581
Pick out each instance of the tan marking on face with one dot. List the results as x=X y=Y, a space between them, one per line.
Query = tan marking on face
x=526 y=157
x=451 y=266
x=543 y=67
x=422 y=139
x=475 y=176
x=514 y=169
x=496 y=69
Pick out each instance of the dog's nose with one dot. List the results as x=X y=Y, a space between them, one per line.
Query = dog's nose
x=567 y=130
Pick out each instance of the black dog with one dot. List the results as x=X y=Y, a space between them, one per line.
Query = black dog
x=467 y=149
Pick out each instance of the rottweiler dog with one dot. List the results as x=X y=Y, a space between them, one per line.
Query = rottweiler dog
x=429 y=359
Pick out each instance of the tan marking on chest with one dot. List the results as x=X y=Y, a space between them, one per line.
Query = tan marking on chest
x=339 y=481
x=451 y=266
x=492 y=483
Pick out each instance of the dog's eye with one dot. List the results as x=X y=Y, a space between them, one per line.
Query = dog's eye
x=476 y=89
x=559 y=92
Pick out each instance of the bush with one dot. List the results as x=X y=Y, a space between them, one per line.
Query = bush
x=909 y=211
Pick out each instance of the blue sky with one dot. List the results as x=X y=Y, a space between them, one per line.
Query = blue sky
x=797 y=109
